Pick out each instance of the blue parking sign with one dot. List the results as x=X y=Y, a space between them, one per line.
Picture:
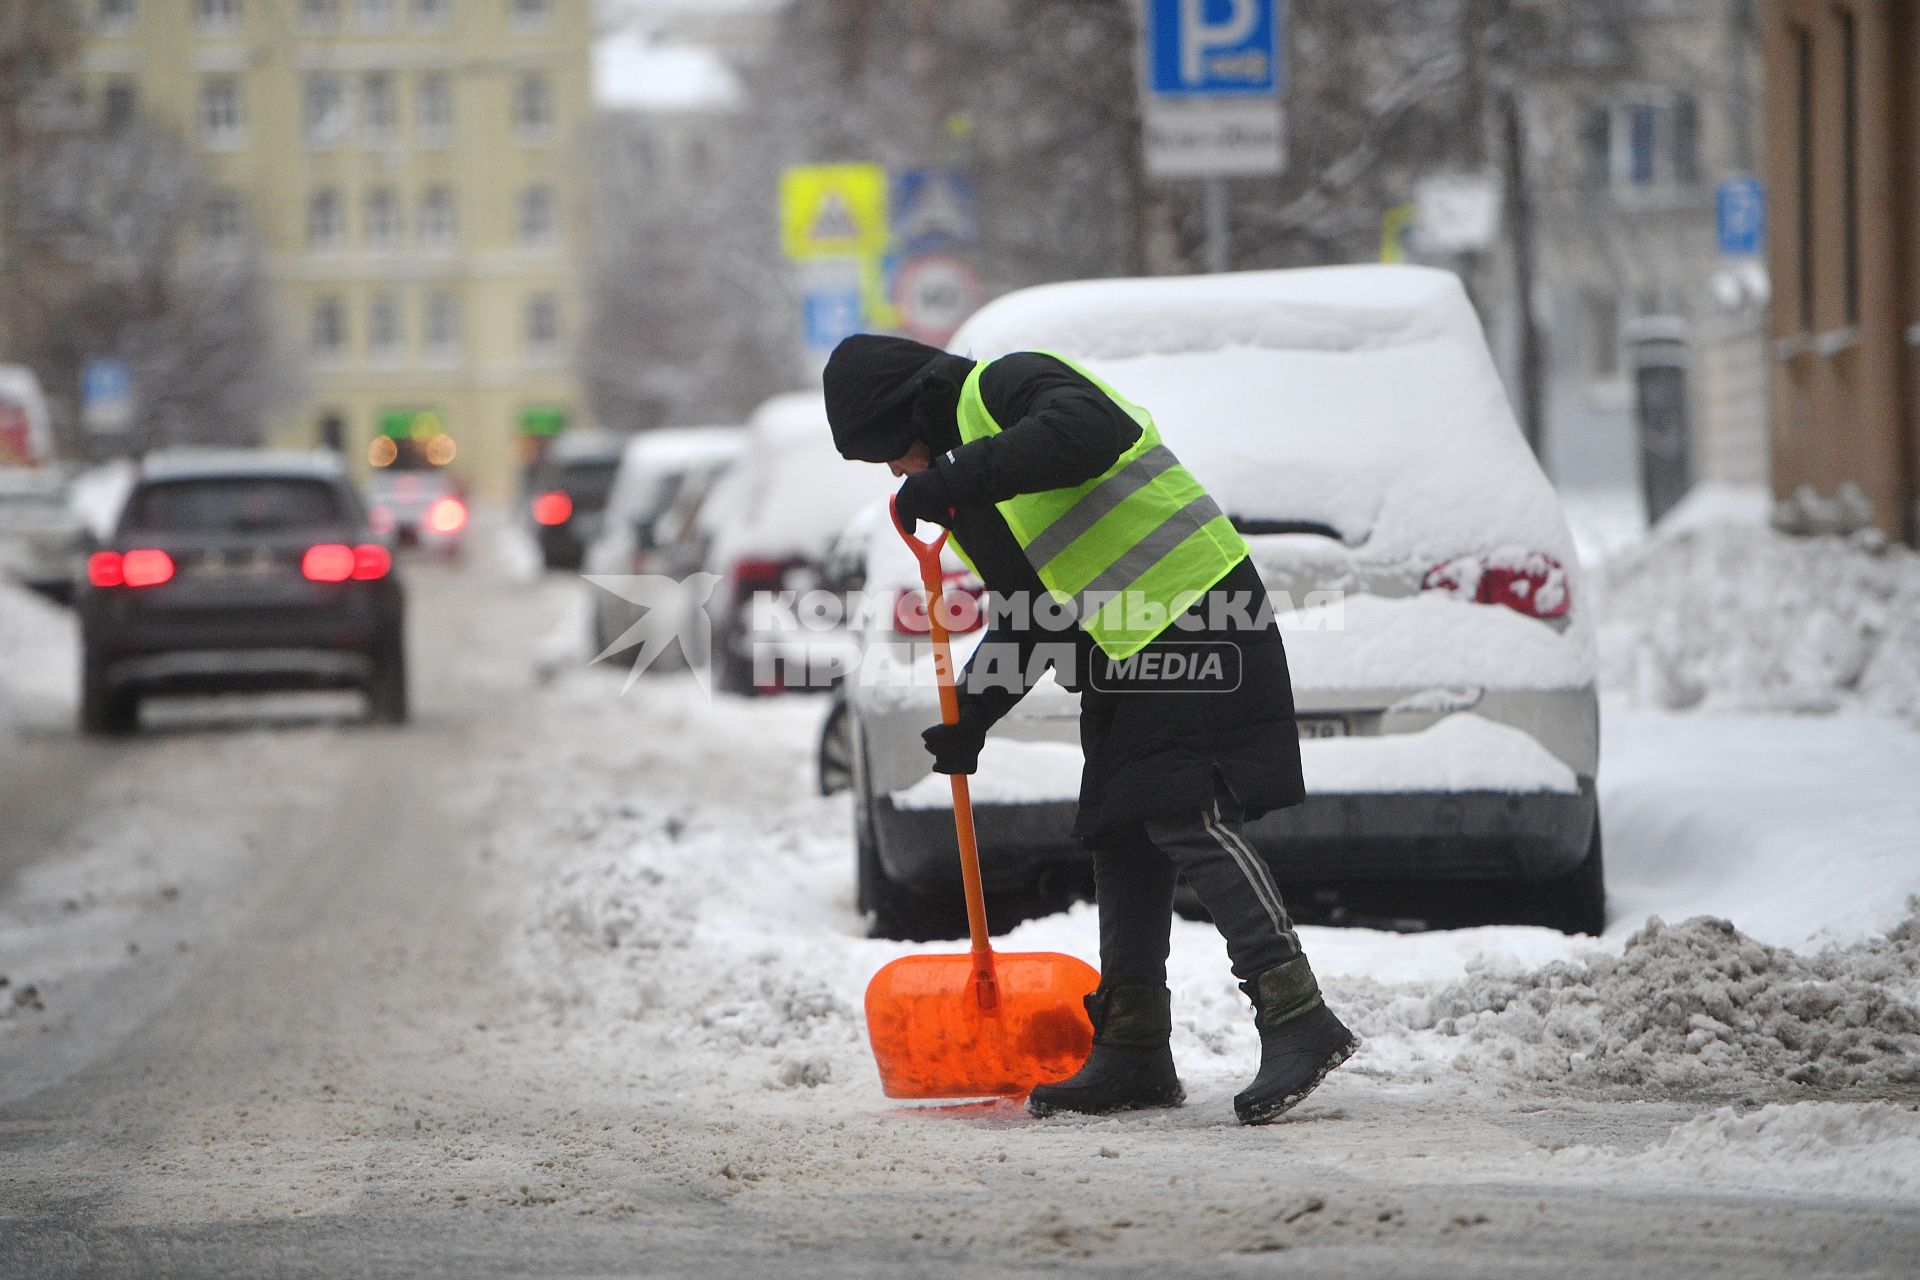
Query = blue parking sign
x=1213 y=48
x=1740 y=209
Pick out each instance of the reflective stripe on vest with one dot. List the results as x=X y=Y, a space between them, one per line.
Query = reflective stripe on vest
x=1128 y=551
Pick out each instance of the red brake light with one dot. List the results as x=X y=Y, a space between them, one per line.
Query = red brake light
x=337 y=562
x=328 y=562
x=449 y=515
x=106 y=569
x=371 y=561
x=757 y=575
x=1532 y=583
x=146 y=568
x=143 y=568
x=552 y=508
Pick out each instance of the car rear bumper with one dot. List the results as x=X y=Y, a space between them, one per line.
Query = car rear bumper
x=219 y=670
x=1465 y=836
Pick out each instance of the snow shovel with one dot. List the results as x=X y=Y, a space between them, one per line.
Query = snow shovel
x=978 y=1025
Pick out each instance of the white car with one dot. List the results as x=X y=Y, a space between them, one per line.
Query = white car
x=658 y=472
x=769 y=525
x=1352 y=423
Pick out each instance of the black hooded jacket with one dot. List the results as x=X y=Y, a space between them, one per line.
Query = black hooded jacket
x=1149 y=750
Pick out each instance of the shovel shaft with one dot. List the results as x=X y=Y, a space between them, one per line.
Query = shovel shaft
x=928 y=554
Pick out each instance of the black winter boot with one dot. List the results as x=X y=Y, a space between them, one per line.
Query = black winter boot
x=1131 y=1066
x=1300 y=1041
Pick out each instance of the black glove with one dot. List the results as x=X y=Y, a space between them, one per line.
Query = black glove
x=924 y=497
x=956 y=747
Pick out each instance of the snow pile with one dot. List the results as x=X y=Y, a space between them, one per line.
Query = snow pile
x=1727 y=616
x=709 y=930
x=39 y=664
x=1823 y=1147
x=1690 y=1007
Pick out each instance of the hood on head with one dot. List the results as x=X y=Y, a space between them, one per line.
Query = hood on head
x=871 y=382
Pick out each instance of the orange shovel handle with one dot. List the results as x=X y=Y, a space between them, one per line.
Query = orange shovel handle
x=928 y=554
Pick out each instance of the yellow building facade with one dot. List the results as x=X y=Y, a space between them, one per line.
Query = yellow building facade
x=413 y=171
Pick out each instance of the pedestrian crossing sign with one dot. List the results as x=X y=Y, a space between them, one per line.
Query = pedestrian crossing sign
x=833 y=211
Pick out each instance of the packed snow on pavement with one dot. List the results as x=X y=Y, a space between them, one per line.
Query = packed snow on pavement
x=683 y=950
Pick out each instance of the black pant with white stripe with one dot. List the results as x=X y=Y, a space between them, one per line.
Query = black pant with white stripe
x=1134 y=881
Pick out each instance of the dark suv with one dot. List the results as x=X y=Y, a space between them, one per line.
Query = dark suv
x=239 y=571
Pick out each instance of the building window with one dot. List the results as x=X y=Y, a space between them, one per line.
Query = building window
x=533 y=106
x=373 y=15
x=443 y=323
x=431 y=13
x=223 y=221
x=529 y=13
x=433 y=109
x=439 y=219
x=385 y=334
x=223 y=118
x=320 y=15
x=326 y=220
x=536 y=216
x=119 y=102
x=329 y=333
x=216 y=17
x=383 y=218
x=111 y=17
x=1644 y=145
x=542 y=327
x=324 y=109
x=377 y=112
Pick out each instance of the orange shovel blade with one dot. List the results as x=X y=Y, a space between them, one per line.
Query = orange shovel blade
x=932 y=1039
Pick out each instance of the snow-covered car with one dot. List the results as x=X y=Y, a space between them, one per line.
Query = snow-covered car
x=769 y=524
x=42 y=538
x=567 y=494
x=639 y=534
x=1351 y=422
x=239 y=571
x=423 y=507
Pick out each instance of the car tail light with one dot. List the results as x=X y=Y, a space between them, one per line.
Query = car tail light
x=337 y=562
x=328 y=562
x=449 y=515
x=371 y=561
x=962 y=607
x=140 y=568
x=1529 y=582
x=106 y=569
x=750 y=576
x=552 y=508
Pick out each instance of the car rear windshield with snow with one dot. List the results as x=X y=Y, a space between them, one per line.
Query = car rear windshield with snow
x=250 y=504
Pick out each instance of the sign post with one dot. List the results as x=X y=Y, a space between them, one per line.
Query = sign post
x=1212 y=77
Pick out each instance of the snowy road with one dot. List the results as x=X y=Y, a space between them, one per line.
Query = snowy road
x=557 y=983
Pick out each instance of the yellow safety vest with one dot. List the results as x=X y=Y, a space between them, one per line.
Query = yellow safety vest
x=1128 y=551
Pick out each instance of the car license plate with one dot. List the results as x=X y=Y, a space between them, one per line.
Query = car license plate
x=1322 y=727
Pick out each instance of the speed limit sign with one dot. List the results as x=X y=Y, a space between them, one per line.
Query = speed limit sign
x=935 y=294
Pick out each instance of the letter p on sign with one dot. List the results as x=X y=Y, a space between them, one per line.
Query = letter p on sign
x=1201 y=37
